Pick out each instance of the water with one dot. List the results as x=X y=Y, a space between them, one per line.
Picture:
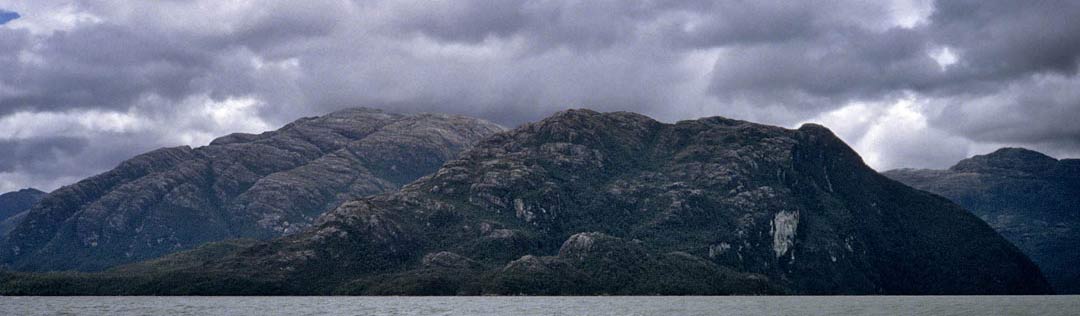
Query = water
x=652 y=305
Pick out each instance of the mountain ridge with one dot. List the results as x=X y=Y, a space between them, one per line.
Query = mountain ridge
x=241 y=185
x=1028 y=197
x=617 y=203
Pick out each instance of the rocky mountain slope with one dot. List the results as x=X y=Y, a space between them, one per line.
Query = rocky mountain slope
x=13 y=207
x=1032 y=199
x=617 y=203
x=241 y=185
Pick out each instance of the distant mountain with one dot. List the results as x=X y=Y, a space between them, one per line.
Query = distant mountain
x=240 y=186
x=13 y=206
x=16 y=202
x=615 y=203
x=1030 y=198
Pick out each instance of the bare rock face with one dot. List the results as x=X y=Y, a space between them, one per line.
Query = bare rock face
x=240 y=186
x=1032 y=199
x=617 y=203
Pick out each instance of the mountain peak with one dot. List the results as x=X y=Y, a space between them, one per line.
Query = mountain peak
x=584 y=118
x=585 y=127
x=1008 y=158
x=1006 y=153
x=13 y=203
x=31 y=191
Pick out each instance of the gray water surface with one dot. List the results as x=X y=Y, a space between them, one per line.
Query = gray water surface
x=604 y=305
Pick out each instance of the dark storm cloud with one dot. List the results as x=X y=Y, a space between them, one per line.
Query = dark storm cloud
x=38 y=153
x=1005 y=39
x=1042 y=110
x=467 y=21
x=1025 y=55
x=107 y=65
x=1013 y=82
x=827 y=63
x=797 y=55
x=50 y=162
x=275 y=26
x=827 y=70
x=102 y=66
x=180 y=72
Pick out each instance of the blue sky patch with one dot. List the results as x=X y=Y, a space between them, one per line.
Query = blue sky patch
x=7 y=16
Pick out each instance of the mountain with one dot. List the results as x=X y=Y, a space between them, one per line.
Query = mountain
x=616 y=203
x=16 y=202
x=240 y=186
x=1033 y=200
x=13 y=206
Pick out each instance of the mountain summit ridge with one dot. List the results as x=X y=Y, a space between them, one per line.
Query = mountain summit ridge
x=1008 y=158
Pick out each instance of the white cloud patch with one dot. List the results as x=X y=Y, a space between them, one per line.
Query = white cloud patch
x=895 y=134
x=911 y=13
x=26 y=125
x=48 y=17
x=203 y=120
x=49 y=149
x=944 y=57
x=213 y=119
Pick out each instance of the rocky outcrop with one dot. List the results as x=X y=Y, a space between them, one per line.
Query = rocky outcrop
x=240 y=186
x=617 y=203
x=596 y=263
x=450 y=260
x=13 y=207
x=1032 y=199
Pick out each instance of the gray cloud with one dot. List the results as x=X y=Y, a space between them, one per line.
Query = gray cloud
x=102 y=66
x=1000 y=40
x=181 y=72
x=38 y=154
x=1042 y=110
x=826 y=70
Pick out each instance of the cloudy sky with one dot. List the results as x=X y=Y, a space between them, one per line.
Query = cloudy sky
x=85 y=85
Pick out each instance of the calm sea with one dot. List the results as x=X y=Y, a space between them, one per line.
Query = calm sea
x=611 y=305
